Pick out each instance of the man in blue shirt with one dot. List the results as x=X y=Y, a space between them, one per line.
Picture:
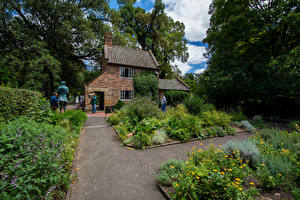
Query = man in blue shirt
x=53 y=101
x=62 y=92
x=94 y=103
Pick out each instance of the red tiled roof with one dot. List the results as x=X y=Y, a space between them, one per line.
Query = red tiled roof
x=129 y=56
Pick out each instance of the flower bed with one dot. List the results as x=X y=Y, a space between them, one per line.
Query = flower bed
x=36 y=157
x=141 y=124
x=265 y=164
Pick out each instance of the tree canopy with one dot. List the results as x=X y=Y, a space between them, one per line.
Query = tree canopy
x=254 y=51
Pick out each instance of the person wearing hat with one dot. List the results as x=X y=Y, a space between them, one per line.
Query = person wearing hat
x=62 y=92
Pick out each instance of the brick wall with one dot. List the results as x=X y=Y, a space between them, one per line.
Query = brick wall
x=110 y=83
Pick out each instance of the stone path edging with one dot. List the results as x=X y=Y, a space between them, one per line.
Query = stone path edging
x=73 y=170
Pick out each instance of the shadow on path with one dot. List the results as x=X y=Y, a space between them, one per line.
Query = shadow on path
x=109 y=171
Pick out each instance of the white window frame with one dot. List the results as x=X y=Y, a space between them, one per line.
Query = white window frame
x=122 y=94
x=123 y=73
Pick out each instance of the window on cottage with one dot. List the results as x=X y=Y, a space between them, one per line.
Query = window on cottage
x=126 y=72
x=126 y=94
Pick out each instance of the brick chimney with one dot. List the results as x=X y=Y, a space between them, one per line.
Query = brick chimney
x=108 y=39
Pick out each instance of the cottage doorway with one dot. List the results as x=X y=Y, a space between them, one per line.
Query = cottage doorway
x=100 y=103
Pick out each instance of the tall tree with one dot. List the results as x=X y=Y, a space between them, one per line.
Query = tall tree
x=43 y=42
x=154 y=31
x=253 y=51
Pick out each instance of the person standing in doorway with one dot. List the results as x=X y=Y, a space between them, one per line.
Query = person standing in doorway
x=163 y=103
x=94 y=102
x=63 y=92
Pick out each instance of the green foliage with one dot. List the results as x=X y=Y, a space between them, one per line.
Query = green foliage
x=20 y=102
x=146 y=85
x=175 y=97
x=246 y=125
x=119 y=105
x=169 y=171
x=237 y=115
x=139 y=109
x=211 y=175
x=239 y=76
x=196 y=105
x=159 y=137
x=33 y=55
x=114 y=119
x=247 y=149
x=230 y=130
x=141 y=140
x=296 y=193
x=295 y=125
x=215 y=118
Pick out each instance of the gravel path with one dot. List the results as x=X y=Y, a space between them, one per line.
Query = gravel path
x=108 y=171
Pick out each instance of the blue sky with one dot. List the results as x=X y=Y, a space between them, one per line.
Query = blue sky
x=194 y=15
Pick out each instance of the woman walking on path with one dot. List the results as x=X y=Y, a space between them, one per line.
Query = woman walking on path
x=163 y=103
x=62 y=92
x=94 y=102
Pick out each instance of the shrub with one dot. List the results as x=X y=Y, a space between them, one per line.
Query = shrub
x=230 y=130
x=237 y=115
x=159 y=137
x=257 y=118
x=114 y=119
x=215 y=118
x=246 y=125
x=295 y=125
x=196 y=105
x=175 y=97
x=141 y=140
x=139 y=109
x=247 y=149
x=35 y=159
x=119 y=105
x=277 y=164
x=146 y=85
x=20 y=102
x=169 y=171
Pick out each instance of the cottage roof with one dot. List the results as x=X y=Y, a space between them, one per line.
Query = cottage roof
x=129 y=56
x=172 y=84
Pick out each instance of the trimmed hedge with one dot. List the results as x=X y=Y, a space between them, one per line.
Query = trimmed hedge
x=18 y=102
x=175 y=97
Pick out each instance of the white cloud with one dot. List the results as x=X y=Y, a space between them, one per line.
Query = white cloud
x=194 y=15
x=199 y=71
x=195 y=57
x=184 y=67
x=196 y=54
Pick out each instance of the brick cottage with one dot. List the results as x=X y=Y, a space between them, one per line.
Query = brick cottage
x=119 y=65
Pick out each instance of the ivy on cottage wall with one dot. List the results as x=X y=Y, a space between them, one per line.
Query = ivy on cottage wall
x=146 y=85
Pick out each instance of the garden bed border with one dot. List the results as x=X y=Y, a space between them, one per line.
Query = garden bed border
x=164 y=192
x=73 y=170
x=177 y=142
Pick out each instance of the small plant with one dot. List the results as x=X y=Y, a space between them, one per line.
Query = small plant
x=169 y=171
x=237 y=115
x=246 y=125
x=196 y=105
x=159 y=137
x=230 y=130
x=119 y=105
x=257 y=118
x=247 y=149
x=215 y=118
x=295 y=125
x=114 y=119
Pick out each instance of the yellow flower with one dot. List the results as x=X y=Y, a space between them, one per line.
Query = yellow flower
x=199 y=150
x=207 y=160
x=200 y=144
x=176 y=184
x=172 y=166
x=261 y=142
x=193 y=173
x=262 y=165
x=215 y=170
x=230 y=170
x=187 y=162
x=251 y=183
x=237 y=179
x=214 y=163
x=220 y=145
x=222 y=173
x=241 y=166
x=226 y=156
x=198 y=177
x=240 y=189
x=279 y=175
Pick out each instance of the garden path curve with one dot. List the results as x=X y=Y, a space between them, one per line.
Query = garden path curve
x=108 y=171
